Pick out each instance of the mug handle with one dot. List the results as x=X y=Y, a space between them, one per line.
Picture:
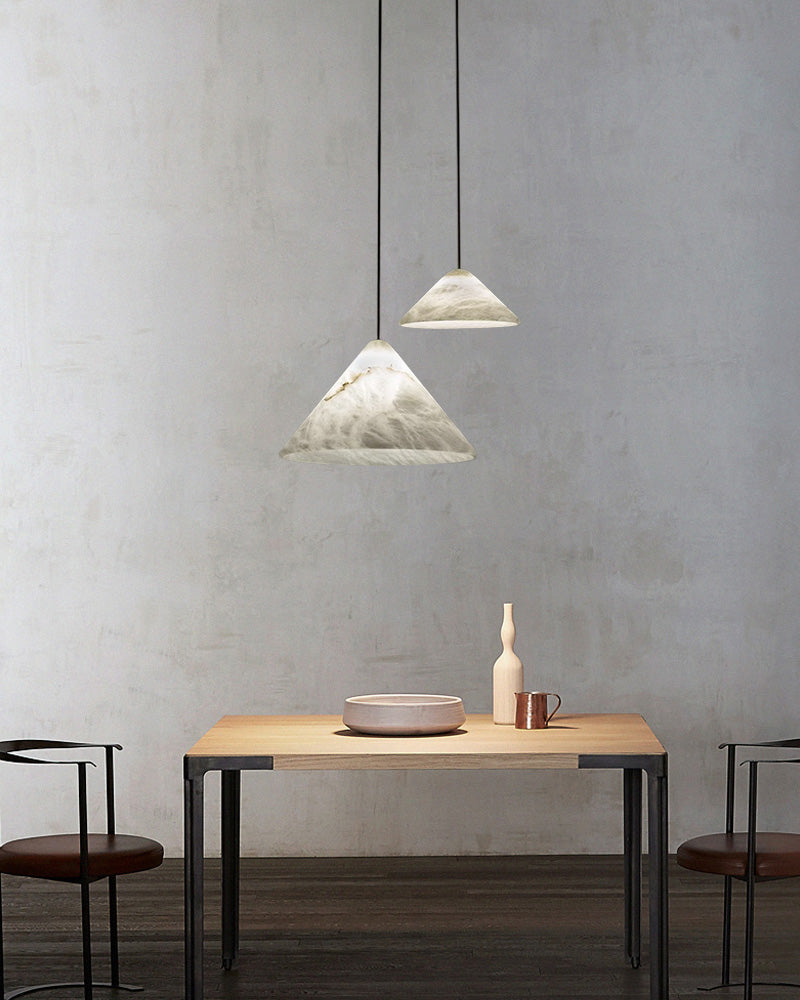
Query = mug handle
x=552 y=694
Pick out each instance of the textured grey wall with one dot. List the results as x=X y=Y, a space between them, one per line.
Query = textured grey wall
x=188 y=261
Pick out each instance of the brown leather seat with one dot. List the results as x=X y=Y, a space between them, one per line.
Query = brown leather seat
x=58 y=856
x=777 y=855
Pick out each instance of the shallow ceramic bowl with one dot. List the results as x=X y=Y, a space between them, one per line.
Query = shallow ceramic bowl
x=403 y=714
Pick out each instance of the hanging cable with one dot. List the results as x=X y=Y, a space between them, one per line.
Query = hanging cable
x=380 y=74
x=458 y=144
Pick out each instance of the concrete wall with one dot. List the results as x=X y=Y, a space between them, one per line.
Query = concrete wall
x=187 y=261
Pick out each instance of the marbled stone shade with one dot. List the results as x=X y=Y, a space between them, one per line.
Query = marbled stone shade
x=459 y=301
x=378 y=413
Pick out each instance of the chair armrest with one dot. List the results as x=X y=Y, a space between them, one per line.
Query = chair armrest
x=770 y=760
x=768 y=743
x=15 y=759
x=9 y=750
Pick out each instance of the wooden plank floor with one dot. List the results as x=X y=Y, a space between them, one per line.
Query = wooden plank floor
x=392 y=928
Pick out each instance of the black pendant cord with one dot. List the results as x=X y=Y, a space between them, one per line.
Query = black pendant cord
x=380 y=74
x=458 y=144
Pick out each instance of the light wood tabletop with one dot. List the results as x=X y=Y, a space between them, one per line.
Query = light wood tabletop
x=322 y=742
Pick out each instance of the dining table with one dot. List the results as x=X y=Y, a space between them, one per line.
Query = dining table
x=237 y=743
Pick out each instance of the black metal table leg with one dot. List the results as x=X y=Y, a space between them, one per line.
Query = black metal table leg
x=231 y=808
x=193 y=878
x=2 y=971
x=657 y=824
x=632 y=838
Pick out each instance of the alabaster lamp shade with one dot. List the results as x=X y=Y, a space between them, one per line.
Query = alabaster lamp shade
x=378 y=413
x=460 y=301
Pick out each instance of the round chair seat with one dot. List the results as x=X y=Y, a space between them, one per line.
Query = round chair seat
x=59 y=856
x=777 y=854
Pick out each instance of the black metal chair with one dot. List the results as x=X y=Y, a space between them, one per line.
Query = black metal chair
x=81 y=858
x=754 y=856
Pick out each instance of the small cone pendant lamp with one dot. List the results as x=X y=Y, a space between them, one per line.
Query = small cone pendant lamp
x=378 y=412
x=459 y=300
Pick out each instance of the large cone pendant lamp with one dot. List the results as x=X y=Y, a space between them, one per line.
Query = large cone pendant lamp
x=459 y=300
x=378 y=412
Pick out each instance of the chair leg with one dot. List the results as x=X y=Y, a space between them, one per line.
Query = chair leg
x=86 y=931
x=726 y=932
x=748 y=939
x=112 y=929
x=87 y=957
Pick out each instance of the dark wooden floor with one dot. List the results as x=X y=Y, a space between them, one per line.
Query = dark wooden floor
x=392 y=928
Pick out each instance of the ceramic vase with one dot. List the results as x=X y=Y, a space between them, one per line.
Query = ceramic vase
x=507 y=673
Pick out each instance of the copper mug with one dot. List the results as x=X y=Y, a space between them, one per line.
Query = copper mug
x=532 y=709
